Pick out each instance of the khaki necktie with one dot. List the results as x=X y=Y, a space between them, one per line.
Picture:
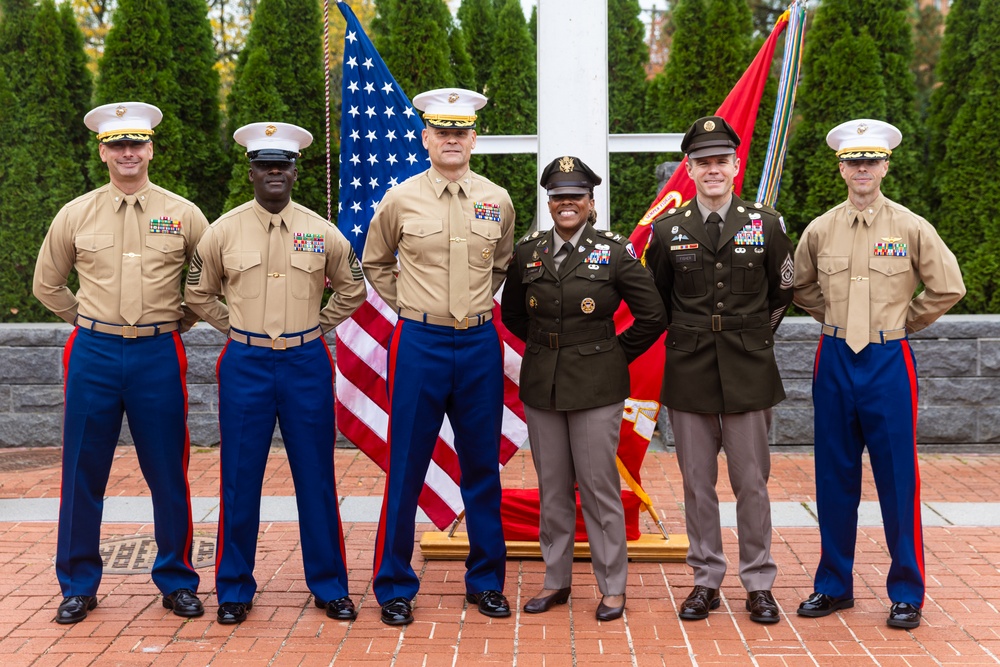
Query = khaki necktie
x=131 y=285
x=562 y=255
x=859 y=302
x=458 y=268
x=274 y=302
x=712 y=226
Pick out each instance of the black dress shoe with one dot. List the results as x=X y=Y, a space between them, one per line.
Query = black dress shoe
x=397 y=611
x=762 y=607
x=231 y=613
x=821 y=604
x=903 y=615
x=699 y=602
x=341 y=609
x=184 y=602
x=539 y=605
x=606 y=613
x=491 y=603
x=75 y=608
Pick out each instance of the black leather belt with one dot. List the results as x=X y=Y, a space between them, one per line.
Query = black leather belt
x=127 y=330
x=721 y=322
x=556 y=340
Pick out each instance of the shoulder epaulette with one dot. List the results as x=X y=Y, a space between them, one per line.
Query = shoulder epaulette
x=529 y=237
x=617 y=238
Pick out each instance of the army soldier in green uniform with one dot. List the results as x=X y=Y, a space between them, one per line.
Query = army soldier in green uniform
x=724 y=270
x=562 y=290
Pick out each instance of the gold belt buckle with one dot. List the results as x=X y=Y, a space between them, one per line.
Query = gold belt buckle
x=716 y=322
x=130 y=331
x=462 y=323
x=283 y=343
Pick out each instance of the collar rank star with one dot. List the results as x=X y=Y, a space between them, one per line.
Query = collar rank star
x=164 y=225
x=890 y=246
x=308 y=242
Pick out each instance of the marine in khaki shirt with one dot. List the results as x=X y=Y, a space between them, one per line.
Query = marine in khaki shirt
x=87 y=235
x=903 y=251
x=453 y=233
x=857 y=267
x=412 y=220
x=233 y=260
x=270 y=259
x=128 y=242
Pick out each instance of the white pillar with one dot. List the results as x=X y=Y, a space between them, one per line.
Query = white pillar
x=573 y=92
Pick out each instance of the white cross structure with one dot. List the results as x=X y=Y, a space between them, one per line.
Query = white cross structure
x=573 y=101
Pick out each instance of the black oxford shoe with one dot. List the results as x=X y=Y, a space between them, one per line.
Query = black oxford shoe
x=762 y=607
x=75 y=608
x=231 y=613
x=903 y=615
x=821 y=604
x=491 y=603
x=397 y=611
x=606 y=613
x=699 y=602
x=184 y=602
x=541 y=604
x=341 y=609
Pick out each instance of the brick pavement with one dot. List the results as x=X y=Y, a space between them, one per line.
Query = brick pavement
x=130 y=627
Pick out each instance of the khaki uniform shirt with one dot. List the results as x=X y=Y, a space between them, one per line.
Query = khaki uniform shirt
x=232 y=261
x=412 y=219
x=903 y=251
x=87 y=234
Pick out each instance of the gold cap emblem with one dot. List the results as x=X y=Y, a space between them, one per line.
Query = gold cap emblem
x=709 y=125
x=270 y=129
x=120 y=111
x=452 y=98
x=588 y=305
x=862 y=128
x=566 y=164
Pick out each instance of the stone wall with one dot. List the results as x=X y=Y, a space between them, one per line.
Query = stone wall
x=958 y=359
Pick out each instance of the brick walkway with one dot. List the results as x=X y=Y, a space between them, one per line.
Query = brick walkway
x=130 y=627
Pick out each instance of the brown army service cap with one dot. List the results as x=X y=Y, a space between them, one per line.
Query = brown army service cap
x=568 y=175
x=709 y=136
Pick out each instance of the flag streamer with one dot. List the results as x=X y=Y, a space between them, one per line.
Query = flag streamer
x=777 y=145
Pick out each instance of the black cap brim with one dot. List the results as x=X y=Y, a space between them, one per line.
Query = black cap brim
x=272 y=155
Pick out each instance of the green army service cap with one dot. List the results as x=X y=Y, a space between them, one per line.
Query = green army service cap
x=568 y=175
x=709 y=136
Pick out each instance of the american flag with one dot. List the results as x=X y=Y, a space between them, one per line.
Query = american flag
x=380 y=146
